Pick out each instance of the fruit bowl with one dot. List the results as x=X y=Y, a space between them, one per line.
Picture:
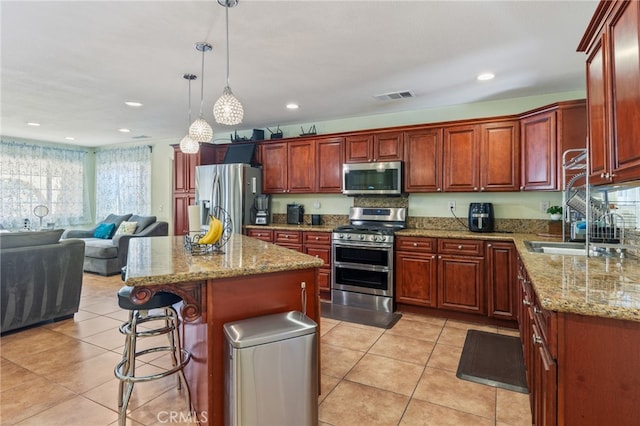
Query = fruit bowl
x=192 y=242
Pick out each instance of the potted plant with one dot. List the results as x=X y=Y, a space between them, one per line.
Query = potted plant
x=555 y=212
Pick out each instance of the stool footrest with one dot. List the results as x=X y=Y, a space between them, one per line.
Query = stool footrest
x=186 y=357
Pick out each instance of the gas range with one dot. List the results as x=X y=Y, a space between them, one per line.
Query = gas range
x=362 y=233
x=371 y=225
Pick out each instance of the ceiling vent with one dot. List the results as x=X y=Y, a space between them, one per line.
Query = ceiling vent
x=395 y=95
x=141 y=137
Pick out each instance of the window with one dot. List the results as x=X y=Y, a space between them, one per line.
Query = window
x=33 y=175
x=123 y=181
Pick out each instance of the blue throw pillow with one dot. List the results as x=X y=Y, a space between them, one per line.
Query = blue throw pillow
x=104 y=230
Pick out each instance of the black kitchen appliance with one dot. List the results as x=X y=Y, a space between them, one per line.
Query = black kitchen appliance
x=295 y=214
x=481 y=217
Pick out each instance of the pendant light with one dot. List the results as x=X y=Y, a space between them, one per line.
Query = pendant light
x=200 y=130
x=228 y=109
x=188 y=145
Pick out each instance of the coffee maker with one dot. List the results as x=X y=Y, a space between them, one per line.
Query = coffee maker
x=481 y=217
x=260 y=211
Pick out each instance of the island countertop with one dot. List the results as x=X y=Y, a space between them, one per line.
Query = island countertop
x=164 y=260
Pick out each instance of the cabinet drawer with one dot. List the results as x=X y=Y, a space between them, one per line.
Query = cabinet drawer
x=264 y=235
x=421 y=244
x=287 y=237
x=317 y=238
x=461 y=247
x=546 y=323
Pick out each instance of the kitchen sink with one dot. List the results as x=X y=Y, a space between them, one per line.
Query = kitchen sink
x=550 y=247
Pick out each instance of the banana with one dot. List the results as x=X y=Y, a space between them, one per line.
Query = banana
x=214 y=233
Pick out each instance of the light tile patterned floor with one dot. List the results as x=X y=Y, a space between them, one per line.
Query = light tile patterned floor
x=62 y=373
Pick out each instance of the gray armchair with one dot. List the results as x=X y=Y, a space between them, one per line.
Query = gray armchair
x=107 y=256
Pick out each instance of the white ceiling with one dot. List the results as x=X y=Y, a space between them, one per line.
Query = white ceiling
x=71 y=65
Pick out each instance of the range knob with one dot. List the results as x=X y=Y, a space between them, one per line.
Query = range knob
x=348 y=236
x=361 y=237
x=340 y=236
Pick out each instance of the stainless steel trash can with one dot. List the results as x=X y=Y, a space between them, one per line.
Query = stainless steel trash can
x=271 y=375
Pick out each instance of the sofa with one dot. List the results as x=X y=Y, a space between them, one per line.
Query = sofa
x=40 y=279
x=107 y=243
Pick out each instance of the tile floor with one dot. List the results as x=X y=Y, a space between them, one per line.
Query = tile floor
x=62 y=374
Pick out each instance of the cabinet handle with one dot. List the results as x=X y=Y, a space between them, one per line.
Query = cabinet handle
x=536 y=339
x=537 y=310
x=439 y=257
x=415 y=244
x=482 y=188
x=602 y=175
x=317 y=238
x=489 y=245
x=433 y=256
x=475 y=188
x=526 y=302
x=522 y=188
x=286 y=236
x=439 y=189
x=459 y=247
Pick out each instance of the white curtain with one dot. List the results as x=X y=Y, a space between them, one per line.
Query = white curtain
x=32 y=175
x=123 y=181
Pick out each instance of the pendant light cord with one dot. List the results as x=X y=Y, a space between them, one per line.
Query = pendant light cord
x=227 y=21
x=202 y=82
x=189 y=123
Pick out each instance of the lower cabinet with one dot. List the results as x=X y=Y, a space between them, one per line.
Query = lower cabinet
x=261 y=234
x=500 y=261
x=416 y=266
x=461 y=275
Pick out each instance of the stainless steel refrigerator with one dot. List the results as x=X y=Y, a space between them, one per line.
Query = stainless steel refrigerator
x=229 y=186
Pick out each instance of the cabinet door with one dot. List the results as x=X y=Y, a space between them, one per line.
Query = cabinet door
x=181 y=166
x=499 y=156
x=302 y=167
x=181 y=203
x=328 y=167
x=387 y=146
x=544 y=383
x=321 y=252
x=461 y=284
x=324 y=283
x=416 y=278
x=423 y=160
x=538 y=151
x=596 y=112
x=461 y=158
x=274 y=167
x=625 y=91
x=502 y=278
x=219 y=153
x=358 y=148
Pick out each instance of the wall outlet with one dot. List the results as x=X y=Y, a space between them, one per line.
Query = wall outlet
x=452 y=205
x=544 y=205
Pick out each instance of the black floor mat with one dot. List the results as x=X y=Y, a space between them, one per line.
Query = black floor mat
x=494 y=360
x=359 y=315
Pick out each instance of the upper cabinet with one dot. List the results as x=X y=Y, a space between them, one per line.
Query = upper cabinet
x=481 y=157
x=302 y=166
x=612 y=45
x=380 y=146
x=423 y=160
x=545 y=134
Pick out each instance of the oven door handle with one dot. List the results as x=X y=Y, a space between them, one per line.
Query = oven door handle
x=362 y=266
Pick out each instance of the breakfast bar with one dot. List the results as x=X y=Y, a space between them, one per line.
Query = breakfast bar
x=246 y=278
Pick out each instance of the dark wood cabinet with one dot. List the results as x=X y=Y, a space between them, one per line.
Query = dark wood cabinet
x=502 y=276
x=416 y=271
x=461 y=275
x=612 y=44
x=545 y=134
x=289 y=239
x=461 y=158
x=274 y=167
x=261 y=234
x=500 y=156
x=481 y=157
x=288 y=167
x=328 y=167
x=184 y=182
x=318 y=244
x=380 y=146
x=423 y=160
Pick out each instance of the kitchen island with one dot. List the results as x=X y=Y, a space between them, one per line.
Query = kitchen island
x=248 y=278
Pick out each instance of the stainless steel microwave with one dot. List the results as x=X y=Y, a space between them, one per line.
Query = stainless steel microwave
x=378 y=178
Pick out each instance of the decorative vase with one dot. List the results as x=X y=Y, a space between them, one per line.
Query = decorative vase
x=556 y=216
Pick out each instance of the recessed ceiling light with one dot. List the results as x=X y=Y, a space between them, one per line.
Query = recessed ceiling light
x=133 y=104
x=33 y=124
x=70 y=138
x=124 y=130
x=293 y=106
x=486 y=76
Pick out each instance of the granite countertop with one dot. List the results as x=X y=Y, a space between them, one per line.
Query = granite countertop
x=164 y=260
x=593 y=286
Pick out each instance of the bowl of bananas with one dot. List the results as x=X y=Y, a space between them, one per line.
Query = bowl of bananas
x=219 y=232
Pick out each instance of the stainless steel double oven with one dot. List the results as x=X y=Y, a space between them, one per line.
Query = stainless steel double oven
x=362 y=259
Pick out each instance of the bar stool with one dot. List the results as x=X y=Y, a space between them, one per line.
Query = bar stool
x=138 y=315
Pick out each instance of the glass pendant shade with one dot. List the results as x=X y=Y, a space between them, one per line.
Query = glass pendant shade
x=189 y=146
x=200 y=131
x=228 y=109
